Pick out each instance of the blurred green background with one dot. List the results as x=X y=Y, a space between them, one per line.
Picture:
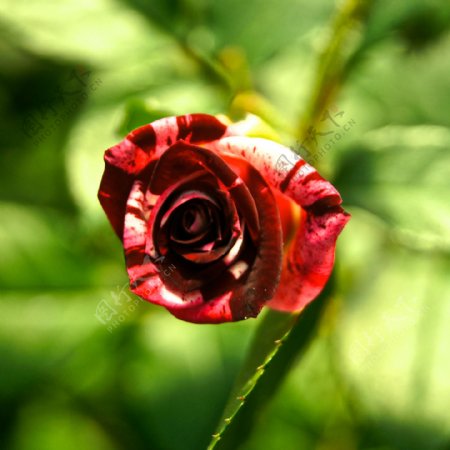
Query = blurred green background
x=83 y=364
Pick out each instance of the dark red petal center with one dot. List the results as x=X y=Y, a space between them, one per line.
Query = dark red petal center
x=194 y=221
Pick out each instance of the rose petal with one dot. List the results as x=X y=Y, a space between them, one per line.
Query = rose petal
x=182 y=159
x=268 y=183
x=145 y=279
x=131 y=159
x=248 y=297
x=145 y=272
x=309 y=261
x=281 y=168
x=264 y=275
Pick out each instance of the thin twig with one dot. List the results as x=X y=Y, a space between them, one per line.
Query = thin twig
x=333 y=65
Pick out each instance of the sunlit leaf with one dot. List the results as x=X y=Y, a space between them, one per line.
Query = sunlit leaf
x=36 y=253
x=389 y=351
x=401 y=175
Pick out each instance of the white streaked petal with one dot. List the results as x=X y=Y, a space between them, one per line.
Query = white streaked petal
x=238 y=269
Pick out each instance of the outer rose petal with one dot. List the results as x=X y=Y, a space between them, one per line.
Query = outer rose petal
x=241 y=301
x=131 y=159
x=310 y=258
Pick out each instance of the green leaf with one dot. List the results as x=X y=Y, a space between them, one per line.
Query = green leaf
x=38 y=251
x=37 y=120
x=236 y=24
x=417 y=23
x=279 y=340
x=390 y=348
x=77 y=31
x=401 y=175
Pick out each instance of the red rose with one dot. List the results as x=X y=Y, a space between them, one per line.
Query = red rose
x=215 y=225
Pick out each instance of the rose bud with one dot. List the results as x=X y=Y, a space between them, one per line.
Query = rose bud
x=215 y=224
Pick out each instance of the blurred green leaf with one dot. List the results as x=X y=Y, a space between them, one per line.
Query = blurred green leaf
x=80 y=30
x=183 y=368
x=37 y=117
x=213 y=26
x=389 y=351
x=393 y=87
x=44 y=425
x=401 y=175
x=417 y=23
x=37 y=252
x=237 y=24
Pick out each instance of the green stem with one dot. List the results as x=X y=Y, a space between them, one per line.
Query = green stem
x=297 y=332
x=333 y=66
x=211 y=68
